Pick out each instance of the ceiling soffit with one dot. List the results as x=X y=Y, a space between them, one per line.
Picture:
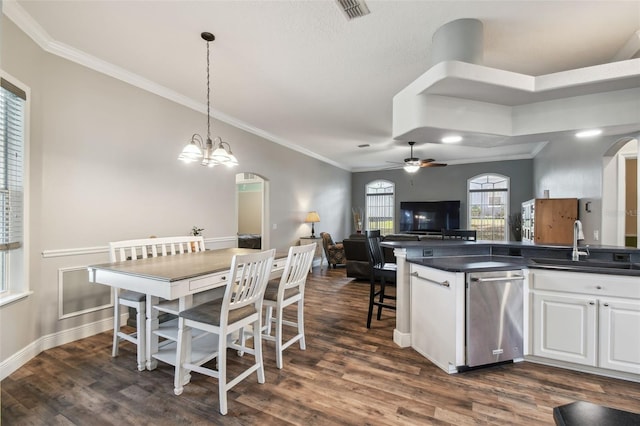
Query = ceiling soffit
x=493 y=107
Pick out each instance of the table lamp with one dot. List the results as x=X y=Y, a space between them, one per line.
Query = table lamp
x=312 y=217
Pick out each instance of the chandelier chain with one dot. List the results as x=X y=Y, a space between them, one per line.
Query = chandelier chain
x=208 y=93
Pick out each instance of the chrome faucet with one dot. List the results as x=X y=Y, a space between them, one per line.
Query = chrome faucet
x=577 y=235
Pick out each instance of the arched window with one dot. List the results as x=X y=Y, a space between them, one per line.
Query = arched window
x=380 y=206
x=488 y=201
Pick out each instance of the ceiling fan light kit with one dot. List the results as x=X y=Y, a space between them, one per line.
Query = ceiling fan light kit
x=411 y=168
x=413 y=164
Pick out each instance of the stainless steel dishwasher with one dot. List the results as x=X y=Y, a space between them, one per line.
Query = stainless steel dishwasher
x=494 y=317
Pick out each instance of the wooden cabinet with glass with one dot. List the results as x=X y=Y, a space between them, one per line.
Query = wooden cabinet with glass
x=549 y=220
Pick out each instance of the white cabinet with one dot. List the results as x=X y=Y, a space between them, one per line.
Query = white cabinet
x=528 y=221
x=586 y=319
x=620 y=334
x=437 y=315
x=565 y=327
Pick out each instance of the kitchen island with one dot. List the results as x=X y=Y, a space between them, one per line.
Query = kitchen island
x=431 y=317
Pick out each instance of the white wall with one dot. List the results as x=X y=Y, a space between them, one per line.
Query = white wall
x=574 y=168
x=103 y=168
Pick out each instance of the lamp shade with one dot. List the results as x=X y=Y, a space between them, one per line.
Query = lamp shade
x=312 y=217
x=191 y=152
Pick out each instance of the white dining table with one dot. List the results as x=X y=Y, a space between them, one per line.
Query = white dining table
x=170 y=282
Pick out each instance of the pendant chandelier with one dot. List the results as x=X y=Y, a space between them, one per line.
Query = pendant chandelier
x=209 y=153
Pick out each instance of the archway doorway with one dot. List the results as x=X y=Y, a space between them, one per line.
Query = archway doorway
x=251 y=211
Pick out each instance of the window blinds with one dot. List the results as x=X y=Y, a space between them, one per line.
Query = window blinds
x=12 y=109
x=380 y=205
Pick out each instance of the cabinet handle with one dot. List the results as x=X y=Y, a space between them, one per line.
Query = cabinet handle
x=599 y=287
x=498 y=279
x=592 y=303
x=443 y=283
x=606 y=304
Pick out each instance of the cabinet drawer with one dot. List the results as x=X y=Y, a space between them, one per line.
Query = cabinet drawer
x=212 y=280
x=279 y=263
x=584 y=283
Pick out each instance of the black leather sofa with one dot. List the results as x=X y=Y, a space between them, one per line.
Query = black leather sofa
x=355 y=250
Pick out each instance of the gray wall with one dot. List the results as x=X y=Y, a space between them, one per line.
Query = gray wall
x=103 y=168
x=448 y=183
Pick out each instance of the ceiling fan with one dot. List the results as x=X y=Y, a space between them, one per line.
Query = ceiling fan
x=413 y=164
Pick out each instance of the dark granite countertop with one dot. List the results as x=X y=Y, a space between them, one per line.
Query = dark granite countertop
x=582 y=413
x=611 y=268
x=482 y=256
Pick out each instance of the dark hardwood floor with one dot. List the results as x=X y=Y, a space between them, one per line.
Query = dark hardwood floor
x=348 y=375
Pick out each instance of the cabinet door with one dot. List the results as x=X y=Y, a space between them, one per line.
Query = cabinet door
x=437 y=316
x=620 y=335
x=564 y=327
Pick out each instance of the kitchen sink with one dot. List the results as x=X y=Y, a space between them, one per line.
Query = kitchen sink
x=585 y=263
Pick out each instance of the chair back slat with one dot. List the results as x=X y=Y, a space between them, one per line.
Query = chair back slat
x=247 y=281
x=153 y=247
x=297 y=267
x=376 y=256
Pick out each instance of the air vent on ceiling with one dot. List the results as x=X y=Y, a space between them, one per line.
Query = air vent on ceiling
x=353 y=8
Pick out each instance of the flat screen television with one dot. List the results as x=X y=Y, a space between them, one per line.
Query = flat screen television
x=429 y=216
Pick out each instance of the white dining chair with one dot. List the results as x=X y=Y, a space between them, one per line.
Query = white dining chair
x=240 y=307
x=286 y=291
x=133 y=250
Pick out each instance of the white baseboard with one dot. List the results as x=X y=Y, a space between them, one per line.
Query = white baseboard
x=20 y=358
x=401 y=339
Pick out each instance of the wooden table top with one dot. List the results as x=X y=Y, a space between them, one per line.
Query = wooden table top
x=180 y=266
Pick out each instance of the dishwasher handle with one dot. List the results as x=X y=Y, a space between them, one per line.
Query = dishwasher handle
x=497 y=279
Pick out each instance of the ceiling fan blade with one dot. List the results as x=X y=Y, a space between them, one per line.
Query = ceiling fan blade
x=432 y=165
x=427 y=160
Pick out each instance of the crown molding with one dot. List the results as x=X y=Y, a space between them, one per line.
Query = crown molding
x=12 y=10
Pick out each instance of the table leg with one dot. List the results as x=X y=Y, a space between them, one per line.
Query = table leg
x=185 y=302
x=152 y=326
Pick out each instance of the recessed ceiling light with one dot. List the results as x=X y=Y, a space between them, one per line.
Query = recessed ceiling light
x=588 y=133
x=451 y=139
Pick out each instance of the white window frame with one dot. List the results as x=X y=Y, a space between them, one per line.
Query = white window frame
x=17 y=261
x=507 y=193
x=383 y=231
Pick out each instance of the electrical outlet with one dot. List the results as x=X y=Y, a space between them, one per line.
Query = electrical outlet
x=621 y=257
x=275 y=226
x=596 y=234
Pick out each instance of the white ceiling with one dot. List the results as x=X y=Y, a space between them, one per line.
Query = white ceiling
x=300 y=74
